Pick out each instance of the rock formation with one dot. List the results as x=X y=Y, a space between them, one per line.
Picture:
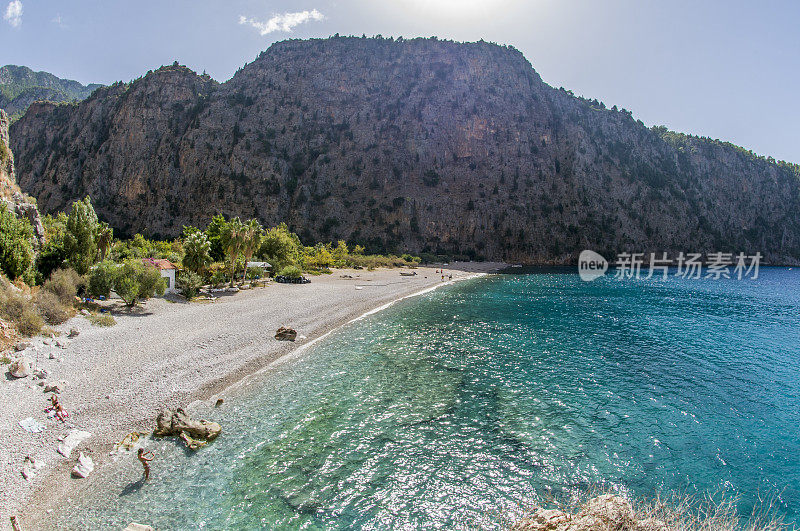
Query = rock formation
x=11 y=196
x=607 y=512
x=286 y=334
x=419 y=145
x=195 y=433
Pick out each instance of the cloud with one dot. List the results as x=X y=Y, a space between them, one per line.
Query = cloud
x=284 y=22
x=13 y=13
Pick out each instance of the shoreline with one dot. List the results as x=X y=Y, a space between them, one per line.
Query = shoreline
x=326 y=305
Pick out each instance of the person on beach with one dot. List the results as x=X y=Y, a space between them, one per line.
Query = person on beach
x=145 y=459
x=61 y=413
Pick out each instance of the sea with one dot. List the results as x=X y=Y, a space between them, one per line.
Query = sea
x=464 y=407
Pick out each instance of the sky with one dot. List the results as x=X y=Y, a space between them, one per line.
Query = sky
x=726 y=69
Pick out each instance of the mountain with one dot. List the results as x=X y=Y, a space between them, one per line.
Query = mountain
x=425 y=145
x=20 y=86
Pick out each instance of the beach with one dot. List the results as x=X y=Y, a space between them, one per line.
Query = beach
x=167 y=354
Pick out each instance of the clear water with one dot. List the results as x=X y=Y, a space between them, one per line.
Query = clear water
x=476 y=400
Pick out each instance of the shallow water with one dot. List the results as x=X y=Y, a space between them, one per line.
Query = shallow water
x=476 y=400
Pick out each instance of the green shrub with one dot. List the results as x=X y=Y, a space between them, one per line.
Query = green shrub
x=189 y=283
x=52 y=308
x=101 y=279
x=80 y=239
x=16 y=246
x=135 y=282
x=65 y=284
x=291 y=271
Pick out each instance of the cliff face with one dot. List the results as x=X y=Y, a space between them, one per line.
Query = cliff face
x=422 y=145
x=11 y=196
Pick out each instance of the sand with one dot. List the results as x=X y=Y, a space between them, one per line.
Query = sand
x=164 y=355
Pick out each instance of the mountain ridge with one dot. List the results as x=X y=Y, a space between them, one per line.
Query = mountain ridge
x=422 y=144
x=20 y=86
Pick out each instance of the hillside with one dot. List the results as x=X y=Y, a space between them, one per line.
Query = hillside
x=20 y=86
x=420 y=144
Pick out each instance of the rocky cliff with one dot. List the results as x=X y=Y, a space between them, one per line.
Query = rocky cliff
x=417 y=144
x=11 y=196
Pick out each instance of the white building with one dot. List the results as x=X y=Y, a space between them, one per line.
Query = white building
x=167 y=270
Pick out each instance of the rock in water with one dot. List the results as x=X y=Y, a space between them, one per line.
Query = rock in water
x=84 y=467
x=20 y=368
x=286 y=334
x=72 y=439
x=195 y=433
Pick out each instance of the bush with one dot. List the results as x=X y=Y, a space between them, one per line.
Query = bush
x=29 y=323
x=18 y=308
x=52 y=308
x=101 y=279
x=290 y=271
x=189 y=283
x=16 y=246
x=65 y=284
x=135 y=282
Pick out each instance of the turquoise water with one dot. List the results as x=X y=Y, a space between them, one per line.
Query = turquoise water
x=474 y=401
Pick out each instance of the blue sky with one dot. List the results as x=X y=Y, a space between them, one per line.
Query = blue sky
x=724 y=69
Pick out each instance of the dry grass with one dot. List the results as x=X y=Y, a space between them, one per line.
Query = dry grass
x=713 y=512
x=102 y=319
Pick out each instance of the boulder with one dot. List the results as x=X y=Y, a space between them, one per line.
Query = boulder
x=604 y=512
x=84 y=467
x=20 y=368
x=195 y=433
x=71 y=440
x=286 y=334
x=22 y=345
x=85 y=312
x=73 y=332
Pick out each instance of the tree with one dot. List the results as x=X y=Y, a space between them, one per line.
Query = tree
x=232 y=241
x=101 y=279
x=80 y=240
x=105 y=237
x=280 y=247
x=215 y=232
x=52 y=254
x=251 y=240
x=135 y=282
x=197 y=252
x=16 y=246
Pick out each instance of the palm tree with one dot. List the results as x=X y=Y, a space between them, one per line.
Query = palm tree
x=104 y=239
x=253 y=233
x=233 y=238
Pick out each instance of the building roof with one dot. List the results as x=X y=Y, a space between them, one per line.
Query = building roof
x=160 y=263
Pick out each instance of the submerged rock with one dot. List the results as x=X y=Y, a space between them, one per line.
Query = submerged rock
x=195 y=433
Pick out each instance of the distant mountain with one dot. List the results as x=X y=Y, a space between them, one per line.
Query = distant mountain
x=20 y=86
x=420 y=145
